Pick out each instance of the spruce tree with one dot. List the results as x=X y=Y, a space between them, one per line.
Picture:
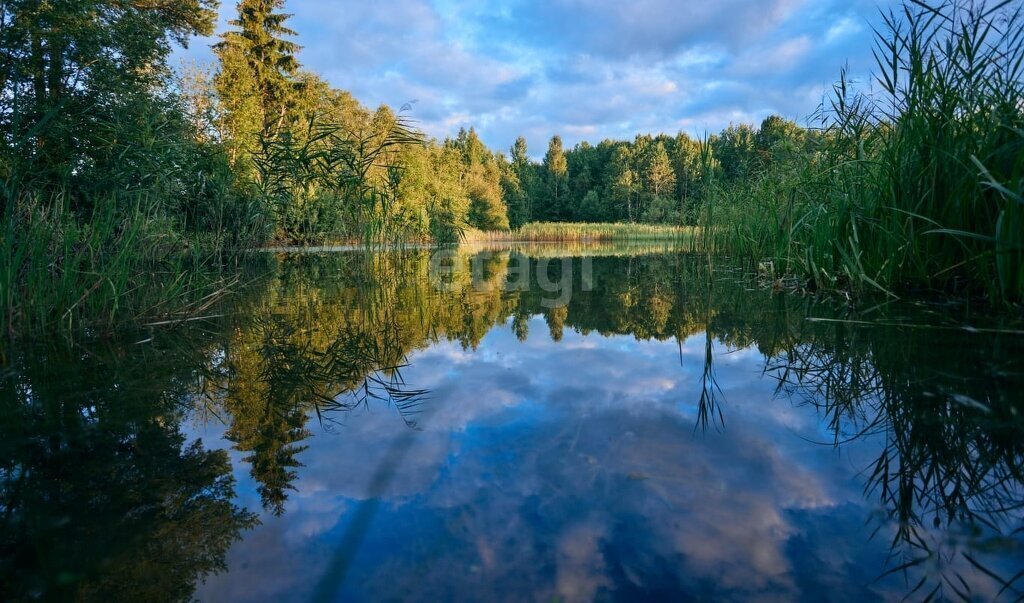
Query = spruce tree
x=520 y=156
x=527 y=177
x=257 y=82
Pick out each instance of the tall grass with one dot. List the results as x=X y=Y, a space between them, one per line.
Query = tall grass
x=574 y=249
x=919 y=186
x=568 y=231
x=125 y=263
x=332 y=184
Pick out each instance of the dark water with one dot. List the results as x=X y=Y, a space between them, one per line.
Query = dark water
x=631 y=425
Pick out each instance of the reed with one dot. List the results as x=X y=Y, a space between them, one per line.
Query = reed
x=585 y=232
x=124 y=264
x=917 y=187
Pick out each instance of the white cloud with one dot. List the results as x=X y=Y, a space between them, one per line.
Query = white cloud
x=846 y=26
x=585 y=69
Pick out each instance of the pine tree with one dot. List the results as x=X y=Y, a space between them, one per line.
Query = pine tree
x=520 y=155
x=473 y=149
x=527 y=177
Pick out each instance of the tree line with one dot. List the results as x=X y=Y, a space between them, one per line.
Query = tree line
x=658 y=179
x=125 y=184
x=276 y=119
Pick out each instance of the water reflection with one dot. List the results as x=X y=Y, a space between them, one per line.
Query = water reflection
x=102 y=497
x=516 y=424
x=949 y=472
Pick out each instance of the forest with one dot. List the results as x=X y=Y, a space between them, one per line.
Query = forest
x=128 y=185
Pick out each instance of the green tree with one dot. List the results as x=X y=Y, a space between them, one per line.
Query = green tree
x=486 y=209
x=659 y=175
x=590 y=209
x=79 y=82
x=583 y=167
x=513 y=193
x=689 y=174
x=432 y=189
x=625 y=182
x=734 y=149
x=528 y=181
x=556 y=172
x=520 y=155
x=473 y=149
x=778 y=139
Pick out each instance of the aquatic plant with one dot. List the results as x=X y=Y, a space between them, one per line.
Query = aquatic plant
x=125 y=263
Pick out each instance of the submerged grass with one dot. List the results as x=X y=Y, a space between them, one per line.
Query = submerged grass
x=920 y=186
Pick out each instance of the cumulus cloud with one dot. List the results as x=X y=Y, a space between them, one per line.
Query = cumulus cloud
x=652 y=28
x=584 y=69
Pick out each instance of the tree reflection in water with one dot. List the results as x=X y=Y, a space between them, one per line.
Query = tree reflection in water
x=103 y=496
x=949 y=473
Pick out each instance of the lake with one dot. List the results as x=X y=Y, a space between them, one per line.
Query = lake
x=542 y=423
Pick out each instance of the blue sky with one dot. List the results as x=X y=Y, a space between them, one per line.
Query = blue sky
x=583 y=69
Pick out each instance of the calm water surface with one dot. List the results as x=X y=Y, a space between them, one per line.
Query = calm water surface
x=534 y=424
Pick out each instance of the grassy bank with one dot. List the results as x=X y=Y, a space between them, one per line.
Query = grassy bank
x=570 y=232
x=918 y=187
x=575 y=249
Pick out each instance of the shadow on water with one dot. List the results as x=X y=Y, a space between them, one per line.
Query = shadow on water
x=106 y=496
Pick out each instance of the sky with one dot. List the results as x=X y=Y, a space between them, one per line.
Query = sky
x=582 y=69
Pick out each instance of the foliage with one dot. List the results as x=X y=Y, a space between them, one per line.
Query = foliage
x=114 y=205
x=652 y=179
x=77 y=81
x=259 y=68
x=555 y=172
x=113 y=502
x=122 y=503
